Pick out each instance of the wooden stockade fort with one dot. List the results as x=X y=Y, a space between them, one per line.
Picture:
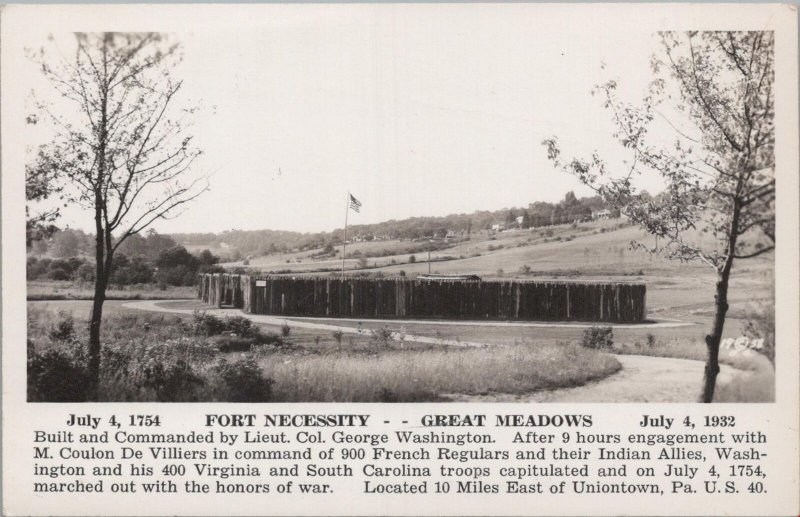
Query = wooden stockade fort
x=467 y=298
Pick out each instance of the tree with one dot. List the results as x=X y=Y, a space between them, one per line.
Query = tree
x=526 y=220
x=718 y=201
x=39 y=187
x=119 y=147
x=66 y=243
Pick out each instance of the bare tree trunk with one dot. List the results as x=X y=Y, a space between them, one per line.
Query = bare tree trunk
x=102 y=250
x=721 y=308
x=100 y=282
x=94 y=337
x=715 y=337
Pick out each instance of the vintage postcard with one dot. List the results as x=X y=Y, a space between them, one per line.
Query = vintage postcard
x=400 y=259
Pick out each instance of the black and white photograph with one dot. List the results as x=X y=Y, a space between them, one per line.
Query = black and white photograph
x=397 y=259
x=362 y=204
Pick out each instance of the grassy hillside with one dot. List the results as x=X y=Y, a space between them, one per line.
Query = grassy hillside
x=596 y=251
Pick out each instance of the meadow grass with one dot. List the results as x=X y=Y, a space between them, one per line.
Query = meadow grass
x=68 y=290
x=432 y=374
x=162 y=357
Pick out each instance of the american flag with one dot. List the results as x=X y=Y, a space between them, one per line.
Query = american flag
x=355 y=204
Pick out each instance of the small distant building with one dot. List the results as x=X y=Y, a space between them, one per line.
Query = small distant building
x=450 y=235
x=498 y=227
x=519 y=220
x=598 y=215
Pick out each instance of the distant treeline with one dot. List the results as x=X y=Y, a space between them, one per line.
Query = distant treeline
x=149 y=259
x=266 y=242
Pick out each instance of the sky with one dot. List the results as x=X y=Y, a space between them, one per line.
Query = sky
x=417 y=110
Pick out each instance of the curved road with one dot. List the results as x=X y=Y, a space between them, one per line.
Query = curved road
x=641 y=379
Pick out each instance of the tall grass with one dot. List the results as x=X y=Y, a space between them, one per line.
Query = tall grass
x=154 y=357
x=69 y=290
x=432 y=374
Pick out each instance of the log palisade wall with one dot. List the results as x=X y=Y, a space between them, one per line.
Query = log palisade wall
x=355 y=297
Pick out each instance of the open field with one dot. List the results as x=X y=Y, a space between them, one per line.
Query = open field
x=171 y=358
x=595 y=251
x=591 y=252
x=68 y=290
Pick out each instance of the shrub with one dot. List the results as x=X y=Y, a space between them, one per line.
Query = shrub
x=381 y=337
x=337 y=336
x=525 y=269
x=598 y=337
x=59 y=273
x=242 y=380
x=286 y=330
x=64 y=327
x=207 y=324
x=651 y=340
x=240 y=326
x=172 y=382
x=500 y=272
x=57 y=376
x=86 y=273
x=232 y=343
x=412 y=259
x=402 y=272
x=362 y=263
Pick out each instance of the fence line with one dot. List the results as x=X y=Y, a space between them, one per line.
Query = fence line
x=355 y=297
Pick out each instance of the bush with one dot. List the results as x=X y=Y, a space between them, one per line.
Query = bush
x=240 y=326
x=242 y=380
x=130 y=272
x=59 y=273
x=64 y=327
x=86 y=273
x=286 y=330
x=57 y=376
x=232 y=343
x=172 y=382
x=598 y=337
x=381 y=337
x=337 y=336
x=651 y=340
x=207 y=324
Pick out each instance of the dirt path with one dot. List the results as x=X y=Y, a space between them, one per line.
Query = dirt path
x=153 y=306
x=642 y=379
x=330 y=323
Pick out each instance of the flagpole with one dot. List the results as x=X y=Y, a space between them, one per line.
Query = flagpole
x=344 y=243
